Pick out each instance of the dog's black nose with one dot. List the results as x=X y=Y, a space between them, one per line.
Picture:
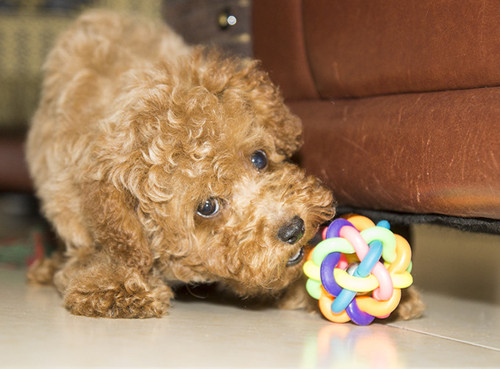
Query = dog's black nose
x=292 y=231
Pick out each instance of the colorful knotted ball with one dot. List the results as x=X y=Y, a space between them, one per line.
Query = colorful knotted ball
x=358 y=270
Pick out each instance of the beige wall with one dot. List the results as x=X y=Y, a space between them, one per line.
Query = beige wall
x=457 y=263
x=26 y=36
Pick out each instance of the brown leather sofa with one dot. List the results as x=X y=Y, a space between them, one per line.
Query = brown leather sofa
x=400 y=101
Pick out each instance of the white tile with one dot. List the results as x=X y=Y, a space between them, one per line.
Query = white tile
x=472 y=322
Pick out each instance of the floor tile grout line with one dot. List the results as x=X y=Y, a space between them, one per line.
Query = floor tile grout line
x=446 y=338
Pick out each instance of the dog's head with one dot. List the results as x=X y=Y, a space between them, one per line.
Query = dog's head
x=215 y=190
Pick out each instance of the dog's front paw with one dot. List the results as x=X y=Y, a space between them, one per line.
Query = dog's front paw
x=132 y=298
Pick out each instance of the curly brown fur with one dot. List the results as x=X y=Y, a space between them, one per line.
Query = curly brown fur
x=411 y=305
x=134 y=131
x=42 y=270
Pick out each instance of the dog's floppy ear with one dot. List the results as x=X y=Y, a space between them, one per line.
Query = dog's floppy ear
x=274 y=115
x=284 y=127
x=115 y=203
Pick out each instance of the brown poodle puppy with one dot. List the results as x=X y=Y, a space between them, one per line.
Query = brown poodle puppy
x=158 y=163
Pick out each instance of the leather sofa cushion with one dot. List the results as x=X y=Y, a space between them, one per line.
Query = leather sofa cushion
x=278 y=40
x=14 y=174
x=356 y=48
x=425 y=152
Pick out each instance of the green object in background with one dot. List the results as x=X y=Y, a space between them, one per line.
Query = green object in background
x=22 y=252
x=16 y=254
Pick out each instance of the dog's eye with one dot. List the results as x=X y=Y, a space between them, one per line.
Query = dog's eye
x=259 y=159
x=208 y=208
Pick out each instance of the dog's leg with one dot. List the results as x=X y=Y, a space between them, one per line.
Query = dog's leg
x=113 y=223
x=411 y=305
x=113 y=278
x=94 y=285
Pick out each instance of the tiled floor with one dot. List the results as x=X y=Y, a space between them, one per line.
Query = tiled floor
x=35 y=331
x=458 y=273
